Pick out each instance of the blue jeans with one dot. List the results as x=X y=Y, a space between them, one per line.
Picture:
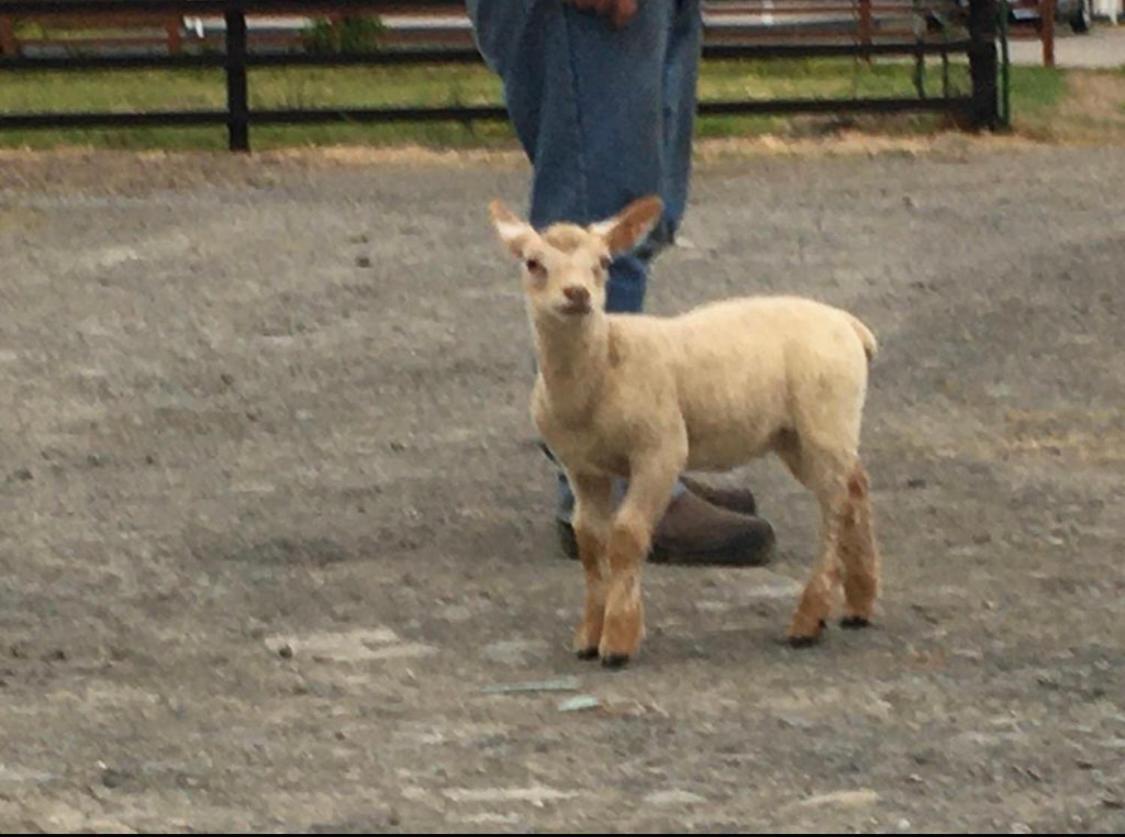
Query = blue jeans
x=605 y=116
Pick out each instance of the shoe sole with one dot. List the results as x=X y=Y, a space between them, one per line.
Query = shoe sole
x=731 y=556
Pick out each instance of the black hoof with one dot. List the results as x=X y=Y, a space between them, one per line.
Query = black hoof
x=587 y=653
x=853 y=622
x=803 y=641
x=615 y=661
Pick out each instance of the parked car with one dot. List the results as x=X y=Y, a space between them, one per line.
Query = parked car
x=1077 y=13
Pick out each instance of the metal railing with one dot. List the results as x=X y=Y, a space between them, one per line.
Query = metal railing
x=977 y=42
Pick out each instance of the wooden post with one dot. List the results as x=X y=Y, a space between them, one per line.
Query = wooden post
x=984 y=110
x=238 y=111
x=8 y=45
x=1047 y=30
x=175 y=39
x=865 y=26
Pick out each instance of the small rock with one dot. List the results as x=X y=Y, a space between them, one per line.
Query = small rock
x=794 y=721
x=903 y=824
x=227 y=379
x=58 y=655
x=1019 y=828
x=847 y=798
x=285 y=652
x=22 y=474
x=455 y=613
x=114 y=778
x=675 y=796
x=403 y=651
x=514 y=652
x=363 y=261
x=150 y=459
x=536 y=794
x=578 y=703
x=95 y=460
x=916 y=482
x=563 y=684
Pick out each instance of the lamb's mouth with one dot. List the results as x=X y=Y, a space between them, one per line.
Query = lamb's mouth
x=574 y=309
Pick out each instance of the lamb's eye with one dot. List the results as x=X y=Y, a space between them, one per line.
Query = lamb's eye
x=605 y=262
x=534 y=266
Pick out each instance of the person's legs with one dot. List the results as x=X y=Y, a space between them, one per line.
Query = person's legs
x=587 y=102
x=589 y=106
x=605 y=115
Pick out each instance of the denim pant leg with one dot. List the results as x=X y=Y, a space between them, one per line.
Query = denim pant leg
x=604 y=115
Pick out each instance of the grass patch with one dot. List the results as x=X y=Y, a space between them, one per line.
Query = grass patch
x=1036 y=95
x=1083 y=106
x=1036 y=91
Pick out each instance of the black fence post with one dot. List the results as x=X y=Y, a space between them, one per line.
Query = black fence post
x=985 y=111
x=238 y=110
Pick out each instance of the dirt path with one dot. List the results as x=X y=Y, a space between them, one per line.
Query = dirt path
x=272 y=522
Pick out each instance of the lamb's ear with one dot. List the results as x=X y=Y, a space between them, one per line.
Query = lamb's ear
x=627 y=228
x=515 y=233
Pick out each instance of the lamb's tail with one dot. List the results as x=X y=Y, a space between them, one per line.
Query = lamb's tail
x=870 y=344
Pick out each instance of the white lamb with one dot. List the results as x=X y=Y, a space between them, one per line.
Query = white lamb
x=647 y=398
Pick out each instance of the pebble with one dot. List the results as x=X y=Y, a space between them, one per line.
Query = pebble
x=675 y=796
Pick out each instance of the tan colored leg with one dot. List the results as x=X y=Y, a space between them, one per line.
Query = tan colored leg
x=650 y=490
x=859 y=553
x=816 y=601
x=818 y=470
x=592 y=513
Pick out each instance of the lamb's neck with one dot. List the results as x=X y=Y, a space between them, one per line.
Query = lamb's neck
x=573 y=358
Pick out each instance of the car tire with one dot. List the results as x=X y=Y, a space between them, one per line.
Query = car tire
x=1082 y=18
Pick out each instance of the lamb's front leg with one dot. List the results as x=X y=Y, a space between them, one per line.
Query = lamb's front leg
x=593 y=508
x=650 y=490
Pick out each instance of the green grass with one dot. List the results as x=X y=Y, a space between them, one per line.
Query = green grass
x=1035 y=91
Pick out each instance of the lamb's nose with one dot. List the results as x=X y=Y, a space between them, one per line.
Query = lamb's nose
x=577 y=294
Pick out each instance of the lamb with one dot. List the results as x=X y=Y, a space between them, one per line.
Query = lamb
x=647 y=398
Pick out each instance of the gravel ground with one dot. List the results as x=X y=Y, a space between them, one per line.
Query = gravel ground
x=272 y=522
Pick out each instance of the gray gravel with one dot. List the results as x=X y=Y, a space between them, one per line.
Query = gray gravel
x=272 y=520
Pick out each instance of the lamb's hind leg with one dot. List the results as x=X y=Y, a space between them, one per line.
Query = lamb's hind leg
x=819 y=472
x=592 y=512
x=816 y=600
x=859 y=553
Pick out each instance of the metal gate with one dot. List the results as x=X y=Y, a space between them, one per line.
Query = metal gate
x=934 y=35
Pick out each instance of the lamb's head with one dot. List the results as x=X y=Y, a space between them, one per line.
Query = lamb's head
x=565 y=267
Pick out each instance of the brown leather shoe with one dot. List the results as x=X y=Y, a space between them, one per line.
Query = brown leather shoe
x=736 y=499
x=694 y=531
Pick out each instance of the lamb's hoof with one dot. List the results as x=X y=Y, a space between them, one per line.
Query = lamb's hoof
x=854 y=622
x=615 y=661
x=808 y=641
x=587 y=653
